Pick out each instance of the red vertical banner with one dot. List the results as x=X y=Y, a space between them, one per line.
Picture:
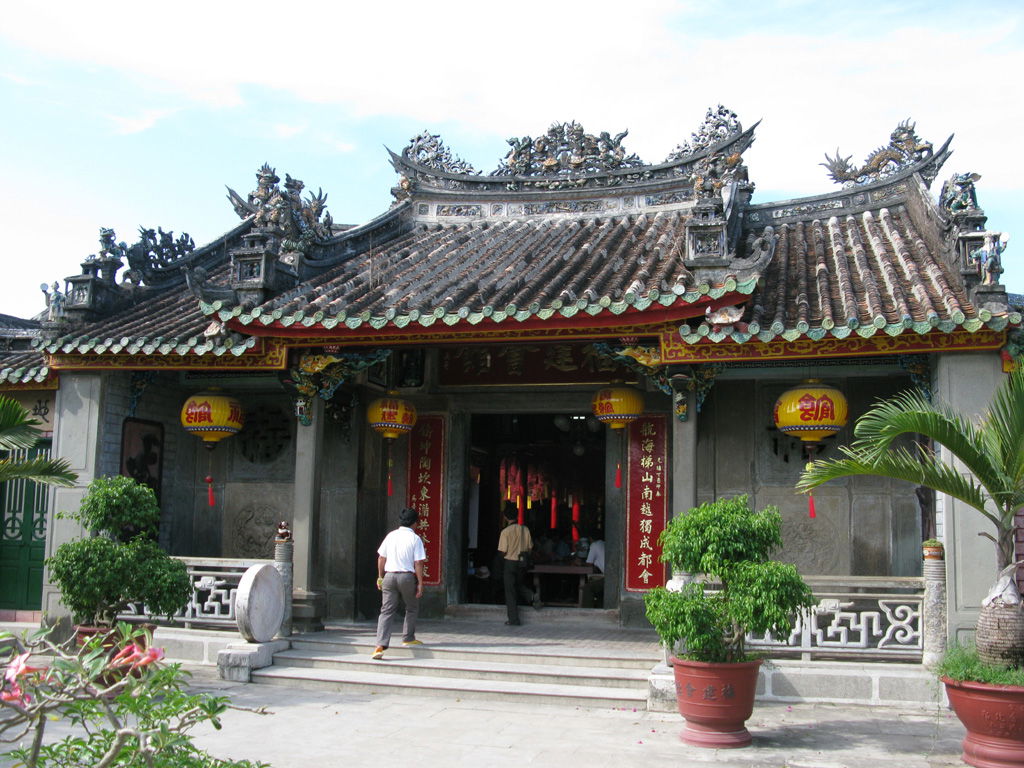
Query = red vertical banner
x=646 y=502
x=426 y=490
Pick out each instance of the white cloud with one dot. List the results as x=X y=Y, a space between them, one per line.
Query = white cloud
x=288 y=131
x=138 y=123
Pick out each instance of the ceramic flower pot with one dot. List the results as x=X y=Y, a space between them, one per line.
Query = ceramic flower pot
x=716 y=700
x=994 y=718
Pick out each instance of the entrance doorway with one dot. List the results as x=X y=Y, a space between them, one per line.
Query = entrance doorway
x=551 y=468
x=23 y=536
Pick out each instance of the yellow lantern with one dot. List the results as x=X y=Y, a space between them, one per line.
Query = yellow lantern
x=212 y=417
x=811 y=411
x=617 y=406
x=391 y=416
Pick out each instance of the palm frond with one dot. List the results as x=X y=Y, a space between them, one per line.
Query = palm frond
x=40 y=470
x=900 y=464
x=1004 y=427
x=17 y=428
x=911 y=413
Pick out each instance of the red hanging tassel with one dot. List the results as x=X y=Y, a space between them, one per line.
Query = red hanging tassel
x=618 y=475
x=519 y=508
x=391 y=489
x=554 y=512
x=810 y=506
x=209 y=490
x=575 y=520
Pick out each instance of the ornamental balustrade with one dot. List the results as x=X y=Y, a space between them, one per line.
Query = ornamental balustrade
x=214 y=584
x=862 y=616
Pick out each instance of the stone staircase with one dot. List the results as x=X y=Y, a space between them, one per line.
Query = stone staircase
x=542 y=666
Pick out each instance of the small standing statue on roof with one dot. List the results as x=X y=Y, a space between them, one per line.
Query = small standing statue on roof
x=988 y=259
x=54 y=301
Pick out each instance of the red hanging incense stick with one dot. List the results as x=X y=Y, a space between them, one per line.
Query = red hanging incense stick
x=575 y=520
x=618 y=475
x=810 y=505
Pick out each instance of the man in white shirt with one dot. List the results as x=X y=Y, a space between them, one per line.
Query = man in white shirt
x=400 y=560
x=593 y=590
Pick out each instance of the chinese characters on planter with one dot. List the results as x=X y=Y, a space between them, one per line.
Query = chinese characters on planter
x=646 y=502
x=426 y=486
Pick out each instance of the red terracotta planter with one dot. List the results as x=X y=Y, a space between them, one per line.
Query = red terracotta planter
x=994 y=718
x=716 y=700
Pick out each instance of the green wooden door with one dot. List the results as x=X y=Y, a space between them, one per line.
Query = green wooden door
x=23 y=538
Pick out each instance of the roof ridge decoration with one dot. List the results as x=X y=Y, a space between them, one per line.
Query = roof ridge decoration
x=297 y=223
x=905 y=148
x=567 y=158
x=428 y=150
x=566 y=149
x=719 y=124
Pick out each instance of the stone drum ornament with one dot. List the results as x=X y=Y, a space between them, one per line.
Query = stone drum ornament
x=259 y=603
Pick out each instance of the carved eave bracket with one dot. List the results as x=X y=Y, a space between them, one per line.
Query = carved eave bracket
x=320 y=375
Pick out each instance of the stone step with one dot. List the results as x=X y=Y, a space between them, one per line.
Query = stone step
x=349 y=680
x=428 y=664
x=498 y=652
x=548 y=614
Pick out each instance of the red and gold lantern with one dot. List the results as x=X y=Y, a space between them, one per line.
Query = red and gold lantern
x=617 y=406
x=212 y=416
x=811 y=411
x=391 y=417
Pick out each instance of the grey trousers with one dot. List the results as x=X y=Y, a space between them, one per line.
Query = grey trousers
x=397 y=587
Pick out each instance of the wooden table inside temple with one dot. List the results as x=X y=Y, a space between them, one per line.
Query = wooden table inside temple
x=583 y=571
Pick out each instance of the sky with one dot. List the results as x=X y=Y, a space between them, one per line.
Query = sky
x=121 y=114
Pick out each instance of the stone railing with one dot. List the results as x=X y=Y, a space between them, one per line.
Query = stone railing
x=214 y=583
x=865 y=616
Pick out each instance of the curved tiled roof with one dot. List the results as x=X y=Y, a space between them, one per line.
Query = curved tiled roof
x=23 y=368
x=472 y=273
x=864 y=273
x=159 y=322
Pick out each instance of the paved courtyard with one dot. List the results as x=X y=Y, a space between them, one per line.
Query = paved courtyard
x=305 y=728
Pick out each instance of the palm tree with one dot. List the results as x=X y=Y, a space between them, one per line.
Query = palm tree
x=18 y=431
x=991 y=451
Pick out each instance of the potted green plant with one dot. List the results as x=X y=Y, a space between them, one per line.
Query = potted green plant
x=992 y=452
x=932 y=549
x=119 y=563
x=742 y=591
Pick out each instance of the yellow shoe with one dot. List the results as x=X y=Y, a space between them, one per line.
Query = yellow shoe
x=411 y=642
x=378 y=653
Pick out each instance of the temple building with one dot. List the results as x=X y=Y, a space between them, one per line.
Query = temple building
x=496 y=306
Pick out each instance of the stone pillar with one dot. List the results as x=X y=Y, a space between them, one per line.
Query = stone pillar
x=77 y=437
x=307 y=604
x=284 y=549
x=966 y=381
x=684 y=467
x=933 y=610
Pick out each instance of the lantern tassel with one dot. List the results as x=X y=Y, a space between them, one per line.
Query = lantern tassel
x=391 y=489
x=209 y=490
x=618 y=475
x=810 y=506
x=554 y=512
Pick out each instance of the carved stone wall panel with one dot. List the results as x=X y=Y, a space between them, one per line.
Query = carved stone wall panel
x=265 y=448
x=819 y=545
x=252 y=513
